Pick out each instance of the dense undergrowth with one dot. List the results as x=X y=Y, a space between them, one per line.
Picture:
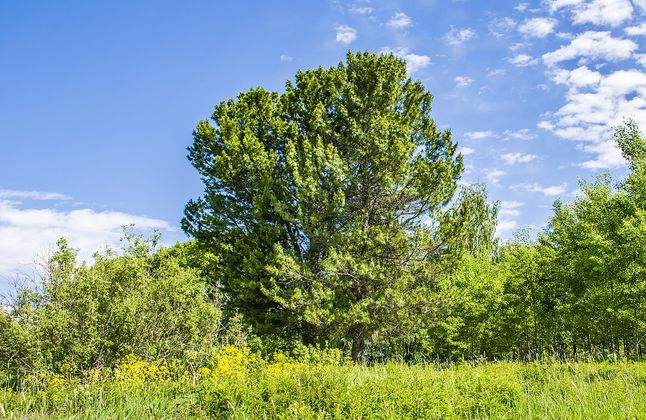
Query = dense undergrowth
x=239 y=384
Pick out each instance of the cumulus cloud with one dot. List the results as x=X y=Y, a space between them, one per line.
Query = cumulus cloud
x=399 y=20
x=593 y=45
x=596 y=12
x=466 y=151
x=463 y=81
x=478 y=135
x=514 y=158
x=523 y=60
x=285 y=58
x=546 y=191
x=579 y=77
x=458 y=36
x=538 y=27
x=639 y=30
x=345 y=34
x=414 y=62
x=27 y=232
x=593 y=109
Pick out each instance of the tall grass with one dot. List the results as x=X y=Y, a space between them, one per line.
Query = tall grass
x=250 y=388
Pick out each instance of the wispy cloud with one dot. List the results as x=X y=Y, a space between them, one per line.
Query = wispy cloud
x=523 y=60
x=522 y=134
x=478 y=135
x=493 y=176
x=510 y=208
x=463 y=81
x=500 y=27
x=514 y=158
x=285 y=58
x=536 y=187
x=31 y=195
x=458 y=36
x=360 y=10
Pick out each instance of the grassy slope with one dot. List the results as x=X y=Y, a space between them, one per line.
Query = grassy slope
x=496 y=390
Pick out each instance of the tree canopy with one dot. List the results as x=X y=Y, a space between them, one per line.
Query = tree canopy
x=332 y=206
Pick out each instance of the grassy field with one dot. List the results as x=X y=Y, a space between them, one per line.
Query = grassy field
x=238 y=385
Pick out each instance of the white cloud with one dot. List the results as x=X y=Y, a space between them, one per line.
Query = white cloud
x=641 y=4
x=538 y=27
x=523 y=60
x=458 y=36
x=27 y=232
x=414 y=62
x=593 y=45
x=462 y=81
x=505 y=227
x=536 y=187
x=285 y=58
x=513 y=158
x=361 y=10
x=500 y=27
x=466 y=151
x=510 y=208
x=591 y=111
x=639 y=30
x=31 y=195
x=511 y=204
x=345 y=34
x=518 y=46
x=478 y=135
x=493 y=176
x=579 y=77
x=399 y=20
x=522 y=134
x=597 y=12
x=496 y=72
x=521 y=7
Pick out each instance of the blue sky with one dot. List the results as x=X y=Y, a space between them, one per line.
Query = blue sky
x=98 y=99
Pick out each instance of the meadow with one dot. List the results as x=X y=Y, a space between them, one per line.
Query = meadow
x=338 y=268
x=238 y=384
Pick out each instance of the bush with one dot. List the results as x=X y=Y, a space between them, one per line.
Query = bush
x=143 y=301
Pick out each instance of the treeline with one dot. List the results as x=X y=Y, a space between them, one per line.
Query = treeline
x=332 y=218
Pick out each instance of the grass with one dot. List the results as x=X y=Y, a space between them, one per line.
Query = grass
x=286 y=388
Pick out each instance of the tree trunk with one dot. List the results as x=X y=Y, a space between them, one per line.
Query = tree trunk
x=358 y=348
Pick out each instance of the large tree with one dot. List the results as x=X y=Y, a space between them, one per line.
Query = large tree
x=332 y=206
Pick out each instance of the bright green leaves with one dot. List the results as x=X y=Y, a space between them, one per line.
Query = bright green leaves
x=328 y=202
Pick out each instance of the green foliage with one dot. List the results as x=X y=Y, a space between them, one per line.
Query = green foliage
x=144 y=301
x=332 y=206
